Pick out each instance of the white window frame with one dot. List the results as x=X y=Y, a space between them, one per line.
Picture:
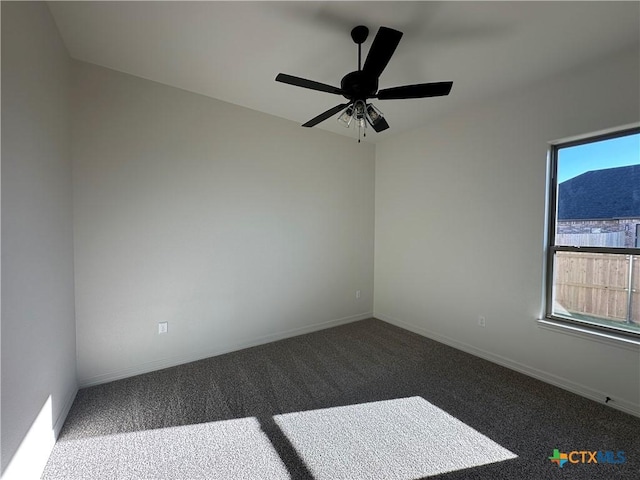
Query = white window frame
x=551 y=319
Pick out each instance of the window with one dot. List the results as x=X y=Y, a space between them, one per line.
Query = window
x=593 y=269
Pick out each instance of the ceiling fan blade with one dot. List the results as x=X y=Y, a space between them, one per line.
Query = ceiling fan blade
x=421 y=90
x=380 y=125
x=382 y=48
x=323 y=116
x=304 y=83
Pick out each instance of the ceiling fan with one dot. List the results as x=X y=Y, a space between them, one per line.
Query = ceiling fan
x=359 y=86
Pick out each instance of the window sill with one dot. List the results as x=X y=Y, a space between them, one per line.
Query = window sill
x=609 y=338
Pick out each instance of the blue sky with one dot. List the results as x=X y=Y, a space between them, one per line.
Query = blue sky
x=615 y=152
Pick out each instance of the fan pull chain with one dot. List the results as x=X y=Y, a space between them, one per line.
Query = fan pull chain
x=364 y=132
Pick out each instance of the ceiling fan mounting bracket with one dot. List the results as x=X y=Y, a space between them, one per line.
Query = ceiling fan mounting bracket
x=359 y=34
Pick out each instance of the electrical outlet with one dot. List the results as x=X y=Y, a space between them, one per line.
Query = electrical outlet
x=163 y=327
x=482 y=322
x=357 y=293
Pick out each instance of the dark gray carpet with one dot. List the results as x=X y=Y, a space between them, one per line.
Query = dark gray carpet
x=409 y=408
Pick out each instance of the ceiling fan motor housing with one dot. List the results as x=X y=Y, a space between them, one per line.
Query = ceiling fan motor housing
x=359 y=86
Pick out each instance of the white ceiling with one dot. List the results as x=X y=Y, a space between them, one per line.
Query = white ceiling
x=232 y=51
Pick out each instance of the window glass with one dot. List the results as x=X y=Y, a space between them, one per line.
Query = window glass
x=598 y=193
x=594 y=288
x=594 y=259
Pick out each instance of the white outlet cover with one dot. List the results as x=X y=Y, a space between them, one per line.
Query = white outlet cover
x=163 y=327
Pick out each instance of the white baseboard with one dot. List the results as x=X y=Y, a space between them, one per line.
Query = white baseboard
x=31 y=457
x=57 y=426
x=582 y=390
x=174 y=361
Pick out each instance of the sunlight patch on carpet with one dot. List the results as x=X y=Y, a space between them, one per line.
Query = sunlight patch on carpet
x=400 y=439
x=222 y=450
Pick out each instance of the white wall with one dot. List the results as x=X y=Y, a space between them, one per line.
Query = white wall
x=234 y=226
x=38 y=329
x=460 y=213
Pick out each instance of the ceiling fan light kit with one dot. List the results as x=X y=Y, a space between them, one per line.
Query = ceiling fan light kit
x=346 y=117
x=363 y=114
x=359 y=86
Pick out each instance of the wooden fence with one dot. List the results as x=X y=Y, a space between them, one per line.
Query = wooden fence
x=596 y=284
